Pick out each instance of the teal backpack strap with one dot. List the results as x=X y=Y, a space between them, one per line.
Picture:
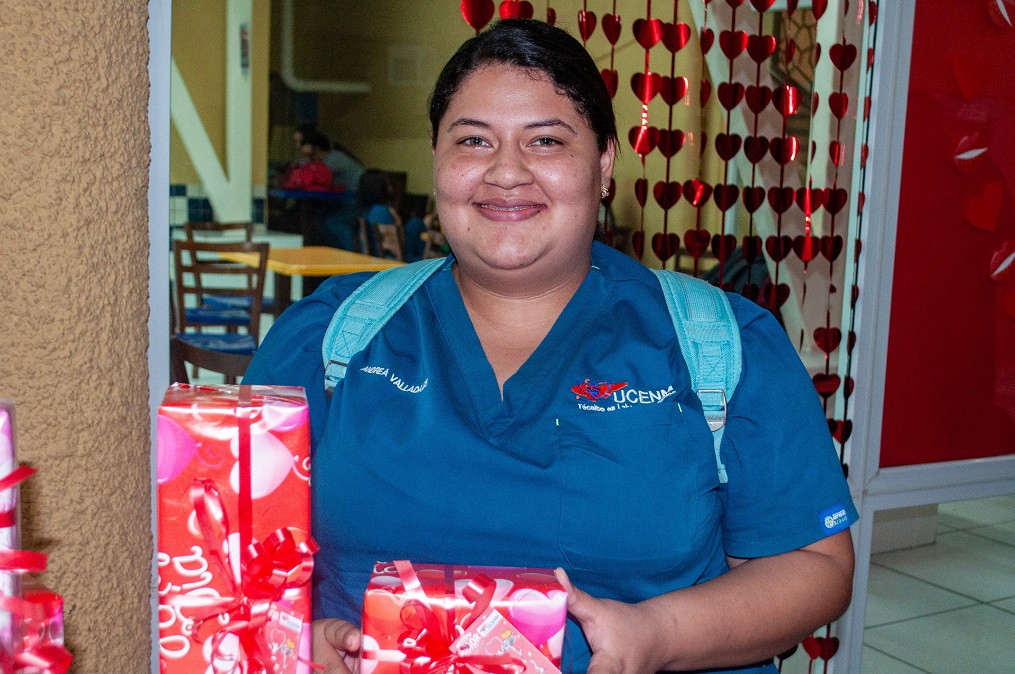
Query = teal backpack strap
x=366 y=310
x=709 y=340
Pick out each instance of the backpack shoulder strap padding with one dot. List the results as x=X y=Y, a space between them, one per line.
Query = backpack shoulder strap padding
x=366 y=310
x=709 y=339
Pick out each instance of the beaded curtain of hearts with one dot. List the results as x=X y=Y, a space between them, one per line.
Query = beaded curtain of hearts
x=950 y=377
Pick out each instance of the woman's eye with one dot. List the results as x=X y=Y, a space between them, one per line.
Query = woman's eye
x=473 y=141
x=546 y=142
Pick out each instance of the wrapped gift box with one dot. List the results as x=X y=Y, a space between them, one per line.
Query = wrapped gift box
x=9 y=540
x=234 y=554
x=429 y=616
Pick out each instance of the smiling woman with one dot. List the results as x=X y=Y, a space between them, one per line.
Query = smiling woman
x=539 y=369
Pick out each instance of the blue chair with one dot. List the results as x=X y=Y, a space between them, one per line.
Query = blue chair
x=198 y=271
x=192 y=231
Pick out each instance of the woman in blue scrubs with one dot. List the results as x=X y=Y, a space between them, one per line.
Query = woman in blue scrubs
x=529 y=406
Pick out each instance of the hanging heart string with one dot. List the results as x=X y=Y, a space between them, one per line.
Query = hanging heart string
x=551 y=14
x=643 y=137
x=477 y=13
x=696 y=191
x=586 y=22
x=667 y=192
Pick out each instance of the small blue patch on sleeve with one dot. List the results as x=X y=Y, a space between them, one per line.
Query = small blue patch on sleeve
x=834 y=520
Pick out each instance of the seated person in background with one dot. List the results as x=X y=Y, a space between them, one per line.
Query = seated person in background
x=374 y=195
x=311 y=175
x=346 y=169
x=414 y=206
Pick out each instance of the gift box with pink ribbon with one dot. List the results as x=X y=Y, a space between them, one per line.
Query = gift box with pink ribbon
x=31 y=618
x=435 y=618
x=234 y=553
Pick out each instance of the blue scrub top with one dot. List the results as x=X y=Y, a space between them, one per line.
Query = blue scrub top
x=416 y=455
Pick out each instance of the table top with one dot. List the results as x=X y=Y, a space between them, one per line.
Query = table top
x=315 y=261
x=314 y=195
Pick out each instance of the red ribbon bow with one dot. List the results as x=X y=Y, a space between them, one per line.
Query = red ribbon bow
x=427 y=640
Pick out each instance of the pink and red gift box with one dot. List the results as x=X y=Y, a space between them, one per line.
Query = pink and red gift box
x=234 y=553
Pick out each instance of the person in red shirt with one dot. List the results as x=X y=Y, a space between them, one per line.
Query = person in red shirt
x=311 y=175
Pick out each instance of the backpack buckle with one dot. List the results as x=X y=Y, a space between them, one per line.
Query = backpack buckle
x=713 y=405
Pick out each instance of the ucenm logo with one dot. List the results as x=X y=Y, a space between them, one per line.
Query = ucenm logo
x=606 y=396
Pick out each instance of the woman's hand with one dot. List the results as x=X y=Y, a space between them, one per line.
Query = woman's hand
x=336 y=645
x=618 y=633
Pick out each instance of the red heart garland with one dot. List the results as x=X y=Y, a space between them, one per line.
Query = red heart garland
x=864 y=151
x=516 y=9
x=840 y=430
x=761 y=47
x=786 y=99
x=784 y=150
x=755 y=149
x=705 y=93
x=826 y=384
x=696 y=242
x=781 y=198
x=673 y=89
x=551 y=18
x=762 y=5
x=638 y=243
x=758 y=98
x=641 y=191
x=611 y=27
x=643 y=139
x=646 y=86
x=727 y=145
x=806 y=247
x=666 y=193
x=842 y=55
x=648 y=32
x=778 y=247
x=754 y=197
x=675 y=36
x=839 y=104
x=836 y=152
x=810 y=199
x=725 y=196
x=835 y=199
x=831 y=247
x=477 y=13
x=730 y=94
x=670 y=141
x=723 y=245
x=827 y=339
x=790 y=50
x=848 y=385
x=872 y=12
x=733 y=43
x=734 y=3
x=791 y=6
x=818 y=8
x=665 y=245
x=752 y=243
x=706 y=39
x=983 y=211
x=611 y=79
x=775 y=295
x=697 y=192
x=586 y=24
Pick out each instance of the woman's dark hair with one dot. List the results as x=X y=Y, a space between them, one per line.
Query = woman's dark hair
x=538 y=46
x=374 y=188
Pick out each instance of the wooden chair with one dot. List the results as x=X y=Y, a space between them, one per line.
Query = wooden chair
x=198 y=270
x=201 y=231
x=232 y=365
x=390 y=240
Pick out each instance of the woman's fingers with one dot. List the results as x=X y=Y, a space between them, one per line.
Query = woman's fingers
x=336 y=645
x=579 y=604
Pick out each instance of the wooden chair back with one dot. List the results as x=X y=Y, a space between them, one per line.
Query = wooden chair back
x=200 y=271
x=203 y=227
x=232 y=365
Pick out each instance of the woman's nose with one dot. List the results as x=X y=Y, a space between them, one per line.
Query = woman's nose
x=508 y=168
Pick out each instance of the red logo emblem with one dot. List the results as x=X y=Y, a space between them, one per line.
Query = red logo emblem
x=595 y=391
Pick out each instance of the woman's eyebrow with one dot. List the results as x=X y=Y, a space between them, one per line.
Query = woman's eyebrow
x=550 y=122
x=467 y=121
x=538 y=124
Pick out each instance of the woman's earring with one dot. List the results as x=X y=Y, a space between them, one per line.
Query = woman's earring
x=605 y=192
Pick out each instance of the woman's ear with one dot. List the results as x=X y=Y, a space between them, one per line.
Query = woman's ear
x=606 y=161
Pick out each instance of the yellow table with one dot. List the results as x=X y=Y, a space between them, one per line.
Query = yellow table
x=309 y=261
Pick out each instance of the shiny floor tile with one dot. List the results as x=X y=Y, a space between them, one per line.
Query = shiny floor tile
x=977 y=512
x=876 y=662
x=892 y=596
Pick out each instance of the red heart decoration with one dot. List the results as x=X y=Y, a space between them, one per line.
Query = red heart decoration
x=727 y=145
x=733 y=43
x=870 y=58
x=866 y=107
x=791 y=6
x=826 y=384
x=551 y=18
x=761 y=47
x=778 y=247
x=586 y=24
x=836 y=152
x=762 y=5
x=641 y=191
x=758 y=98
x=811 y=644
x=638 y=243
x=516 y=9
x=827 y=339
x=734 y=3
x=982 y=212
x=648 y=32
x=847 y=389
x=646 y=85
x=696 y=242
x=730 y=94
x=665 y=245
x=854 y=294
x=706 y=92
x=725 y=196
x=818 y=8
x=1001 y=12
x=675 y=36
x=781 y=198
x=611 y=80
x=477 y=13
x=835 y=199
x=673 y=89
x=784 y=150
x=611 y=27
x=786 y=99
x=872 y=11
x=723 y=245
x=838 y=103
x=843 y=55
x=755 y=149
x=666 y=194
x=806 y=247
x=670 y=141
x=810 y=199
x=864 y=151
x=775 y=295
x=753 y=198
x=831 y=247
x=697 y=192
x=971 y=72
x=643 y=139
x=970 y=153
x=841 y=430
x=752 y=243
x=790 y=50
x=706 y=39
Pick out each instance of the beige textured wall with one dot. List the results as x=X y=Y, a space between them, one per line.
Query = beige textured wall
x=73 y=308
